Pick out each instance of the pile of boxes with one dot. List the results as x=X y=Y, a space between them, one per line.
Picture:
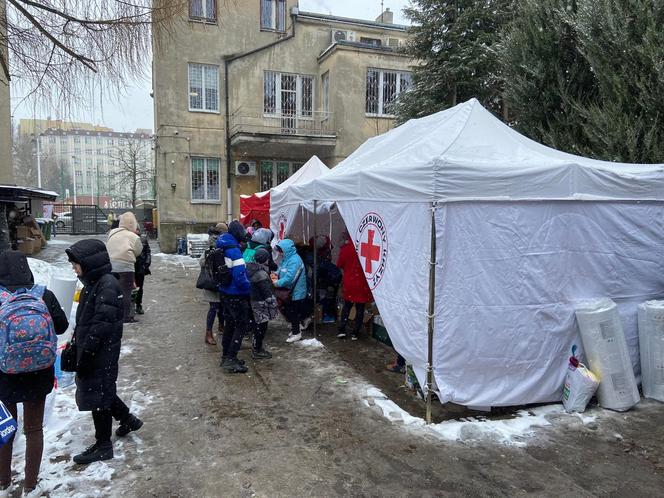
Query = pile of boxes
x=29 y=240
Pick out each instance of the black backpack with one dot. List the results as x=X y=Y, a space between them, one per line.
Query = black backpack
x=216 y=262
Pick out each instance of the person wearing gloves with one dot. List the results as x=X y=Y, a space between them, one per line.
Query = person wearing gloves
x=30 y=388
x=292 y=275
x=97 y=339
x=124 y=246
x=235 y=298
x=263 y=302
x=214 y=298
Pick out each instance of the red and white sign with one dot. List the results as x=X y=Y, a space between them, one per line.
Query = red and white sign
x=371 y=246
x=281 y=225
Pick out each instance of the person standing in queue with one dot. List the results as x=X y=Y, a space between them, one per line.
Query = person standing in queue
x=292 y=275
x=235 y=298
x=97 y=339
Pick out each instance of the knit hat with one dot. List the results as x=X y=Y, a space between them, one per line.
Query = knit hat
x=261 y=256
x=221 y=228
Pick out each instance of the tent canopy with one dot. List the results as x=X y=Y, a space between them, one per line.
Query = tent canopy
x=508 y=274
x=465 y=153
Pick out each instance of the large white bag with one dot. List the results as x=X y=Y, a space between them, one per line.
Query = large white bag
x=580 y=386
x=651 y=344
x=606 y=350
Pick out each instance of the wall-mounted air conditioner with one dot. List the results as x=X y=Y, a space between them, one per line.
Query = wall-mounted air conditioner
x=245 y=168
x=342 y=35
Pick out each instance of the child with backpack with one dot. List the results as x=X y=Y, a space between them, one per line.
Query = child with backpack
x=263 y=302
x=26 y=377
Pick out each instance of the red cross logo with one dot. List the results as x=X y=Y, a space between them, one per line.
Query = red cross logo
x=282 y=229
x=369 y=252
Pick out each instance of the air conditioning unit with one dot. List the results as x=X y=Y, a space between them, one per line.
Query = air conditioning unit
x=342 y=35
x=245 y=168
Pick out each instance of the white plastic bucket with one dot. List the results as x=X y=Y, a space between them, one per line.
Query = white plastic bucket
x=64 y=289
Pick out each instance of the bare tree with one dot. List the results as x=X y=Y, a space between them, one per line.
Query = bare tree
x=24 y=157
x=59 y=50
x=135 y=173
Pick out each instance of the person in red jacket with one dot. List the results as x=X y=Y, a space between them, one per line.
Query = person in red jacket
x=356 y=291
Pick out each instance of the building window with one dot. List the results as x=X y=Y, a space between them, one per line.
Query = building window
x=374 y=42
x=63 y=141
x=325 y=82
x=88 y=140
x=273 y=15
x=77 y=140
x=203 y=10
x=383 y=89
x=109 y=141
x=78 y=173
x=273 y=173
x=203 y=88
x=288 y=94
x=205 y=179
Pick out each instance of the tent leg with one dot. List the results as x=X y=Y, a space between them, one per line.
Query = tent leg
x=432 y=299
x=315 y=276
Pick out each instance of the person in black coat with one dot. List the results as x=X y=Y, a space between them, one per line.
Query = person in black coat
x=29 y=388
x=141 y=269
x=97 y=336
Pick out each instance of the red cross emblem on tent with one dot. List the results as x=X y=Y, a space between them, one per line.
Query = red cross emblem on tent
x=282 y=227
x=371 y=246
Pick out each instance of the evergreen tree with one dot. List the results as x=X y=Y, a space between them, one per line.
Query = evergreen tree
x=547 y=79
x=454 y=42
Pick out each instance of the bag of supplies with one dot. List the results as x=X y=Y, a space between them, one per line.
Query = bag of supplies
x=580 y=386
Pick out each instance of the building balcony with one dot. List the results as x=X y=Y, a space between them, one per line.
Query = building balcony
x=286 y=135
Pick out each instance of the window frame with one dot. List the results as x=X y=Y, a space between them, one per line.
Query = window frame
x=325 y=94
x=203 y=87
x=205 y=18
x=381 y=96
x=278 y=112
x=205 y=160
x=275 y=17
x=293 y=167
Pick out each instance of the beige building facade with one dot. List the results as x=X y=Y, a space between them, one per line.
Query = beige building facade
x=246 y=92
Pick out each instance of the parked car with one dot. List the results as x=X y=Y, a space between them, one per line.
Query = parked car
x=65 y=220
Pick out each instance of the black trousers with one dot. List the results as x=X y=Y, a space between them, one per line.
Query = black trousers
x=359 y=316
x=295 y=312
x=236 y=312
x=140 y=280
x=103 y=419
x=260 y=329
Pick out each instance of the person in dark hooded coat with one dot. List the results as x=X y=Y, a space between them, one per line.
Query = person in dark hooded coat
x=29 y=388
x=98 y=336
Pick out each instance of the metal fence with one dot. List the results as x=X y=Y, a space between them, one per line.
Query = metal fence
x=77 y=219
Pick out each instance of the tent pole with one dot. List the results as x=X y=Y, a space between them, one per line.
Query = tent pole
x=432 y=299
x=315 y=269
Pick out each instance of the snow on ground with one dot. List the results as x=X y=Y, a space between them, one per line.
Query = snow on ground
x=176 y=259
x=510 y=431
x=310 y=343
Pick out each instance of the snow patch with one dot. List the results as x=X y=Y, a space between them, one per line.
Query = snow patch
x=177 y=259
x=42 y=271
x=310 y=343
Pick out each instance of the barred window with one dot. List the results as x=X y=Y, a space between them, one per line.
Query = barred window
x=203 y=10
x=273 y=15
x=205 y=179
x=272 y=173
x=383 y=90
x=288 y=94
x=203 y=87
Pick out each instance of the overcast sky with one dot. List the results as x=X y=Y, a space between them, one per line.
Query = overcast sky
x=134 y=109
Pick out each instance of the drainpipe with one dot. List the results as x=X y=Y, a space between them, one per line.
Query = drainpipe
x=227 y=62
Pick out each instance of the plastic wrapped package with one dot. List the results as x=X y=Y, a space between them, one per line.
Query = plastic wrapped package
x=580 y=386
x=607 y=354
x=651 y=344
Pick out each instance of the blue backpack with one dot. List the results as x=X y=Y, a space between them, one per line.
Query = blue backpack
x=27 y=336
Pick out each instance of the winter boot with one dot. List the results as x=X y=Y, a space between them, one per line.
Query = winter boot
x=95 y=453
x=262 y=354
x=139 y=310
x=233 y=366
x=239 y=360
x=130 y=424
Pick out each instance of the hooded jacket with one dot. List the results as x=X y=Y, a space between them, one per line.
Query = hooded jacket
x=230 y=243
x=288 y=271
x=15 y=274
x=260 y=238
x=123 y=245
x=98 y=332
x=354 y=281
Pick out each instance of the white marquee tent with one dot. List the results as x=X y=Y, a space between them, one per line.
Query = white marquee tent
x=522 y=232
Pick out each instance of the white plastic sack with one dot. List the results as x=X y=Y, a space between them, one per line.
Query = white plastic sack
x=607 y=353
x=651 y=343
x=580 y=386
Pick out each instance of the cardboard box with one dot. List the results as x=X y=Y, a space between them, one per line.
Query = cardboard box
x=26 y=246
x=23 y=232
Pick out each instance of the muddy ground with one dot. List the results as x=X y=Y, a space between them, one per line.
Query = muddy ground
x=296 y=425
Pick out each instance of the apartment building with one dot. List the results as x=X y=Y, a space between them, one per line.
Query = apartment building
x=246 y=92
x=94 y=161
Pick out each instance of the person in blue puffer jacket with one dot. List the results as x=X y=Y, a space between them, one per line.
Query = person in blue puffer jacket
x=235 y=298
x=292 y=275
